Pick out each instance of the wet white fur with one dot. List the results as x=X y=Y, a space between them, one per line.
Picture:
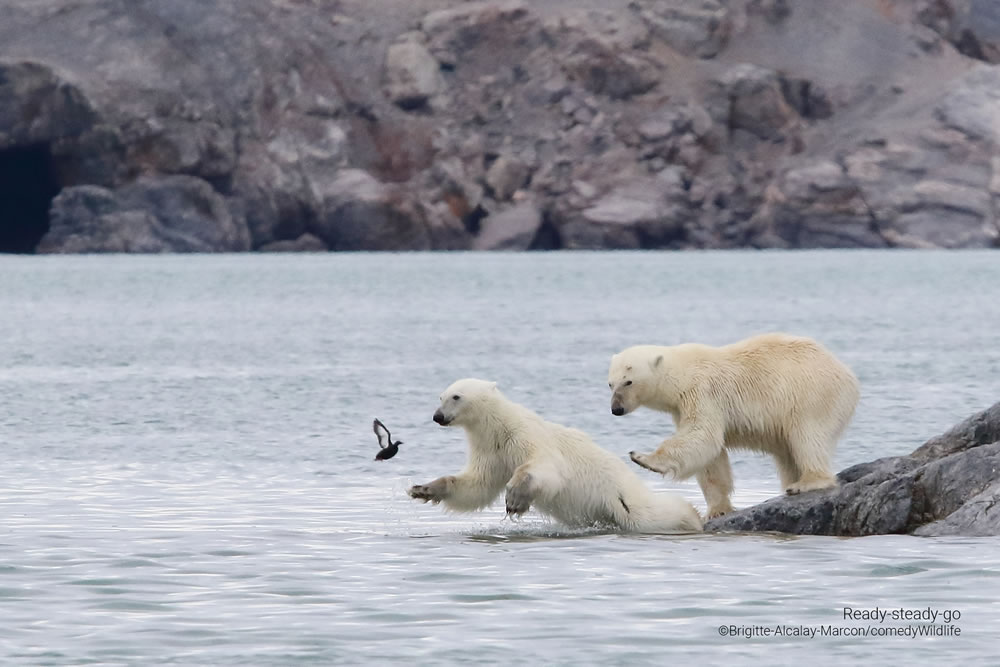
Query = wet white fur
x=775 y=393
x=560 y=470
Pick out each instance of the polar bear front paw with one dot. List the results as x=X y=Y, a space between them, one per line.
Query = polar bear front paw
x=641 y=459
x=518 y=498
x=434 y=492
x=650 y=462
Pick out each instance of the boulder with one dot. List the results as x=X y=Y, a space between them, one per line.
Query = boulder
x=692 y=27
x=514 y=228
x=506 y=176
x=972 y=105
x=817 y=205
x=305 y=243
x=647 y=213
x=453 y=31
x=153 y=214
x=972 y=26
x=361 y=213
x=412 y=75
x=602 y=69
x=950 y=485
x=756 y=101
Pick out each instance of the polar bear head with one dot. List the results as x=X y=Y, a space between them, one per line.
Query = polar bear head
x=633 y=374
x=461 y=401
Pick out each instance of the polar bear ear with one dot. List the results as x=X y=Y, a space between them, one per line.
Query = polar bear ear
x=655 y=363
x=493 y=386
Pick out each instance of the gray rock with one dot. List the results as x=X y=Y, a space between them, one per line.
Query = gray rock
x=603 y=70
x=691 y=27
x=756 y=101
x=455 y=30
x=584 y=189
x=305 y=243
x=657 y=129
x=978 y=516
x=36 y=106
x=88 y=219
x=412 y=75
x=819 y=205
x=270 y=102
x=578 y=234
x=627 y=206
x=220 y=92
x=948 y=486
x=930 y=193
x=155 y=214
x=360 y=213
x=446 y=227
x=458 y=179
x=555 y=89
x=280 y=182
x=808 y=99
x=955 y=196
x=620 y=30
x=276 y=198
x=941 y=227
x=642 y=214
x=675 y=135
x=39 y=107
x=973 y=26
x=773 y=11
x=973 y=104
x=512 y=229
x=506 y=176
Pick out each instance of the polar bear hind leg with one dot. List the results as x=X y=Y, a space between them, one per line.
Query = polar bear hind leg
x=810 y=452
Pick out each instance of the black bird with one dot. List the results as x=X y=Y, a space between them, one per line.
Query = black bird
x=389 y=448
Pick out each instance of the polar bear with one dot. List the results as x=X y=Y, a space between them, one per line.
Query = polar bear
x=558 y=470
x=774 y=393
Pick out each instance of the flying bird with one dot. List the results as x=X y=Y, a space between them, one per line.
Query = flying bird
x=388 y=447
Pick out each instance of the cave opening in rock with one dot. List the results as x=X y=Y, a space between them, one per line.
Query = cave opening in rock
x=27 y=187
x=547 y=236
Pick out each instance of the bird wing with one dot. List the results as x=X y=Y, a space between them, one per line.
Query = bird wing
x=382 y=433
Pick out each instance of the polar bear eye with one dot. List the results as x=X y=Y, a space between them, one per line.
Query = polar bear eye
x=455 y=397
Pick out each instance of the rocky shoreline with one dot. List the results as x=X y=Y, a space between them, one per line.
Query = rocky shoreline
x=950 y=485
x=283 y=125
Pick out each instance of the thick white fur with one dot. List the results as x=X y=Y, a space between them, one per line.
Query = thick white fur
x=775 y=393
x=558 y=470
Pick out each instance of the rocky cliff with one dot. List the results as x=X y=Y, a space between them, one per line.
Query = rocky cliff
x=948 y=486
x=213 y=125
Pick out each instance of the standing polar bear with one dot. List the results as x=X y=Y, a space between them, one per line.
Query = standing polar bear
x=559 y=470
x=779 y=394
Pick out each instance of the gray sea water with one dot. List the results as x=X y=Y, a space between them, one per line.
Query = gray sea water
x=187 y=474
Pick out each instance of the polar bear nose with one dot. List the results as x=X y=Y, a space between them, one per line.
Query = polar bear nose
x=617 y=410
x=439 y=418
